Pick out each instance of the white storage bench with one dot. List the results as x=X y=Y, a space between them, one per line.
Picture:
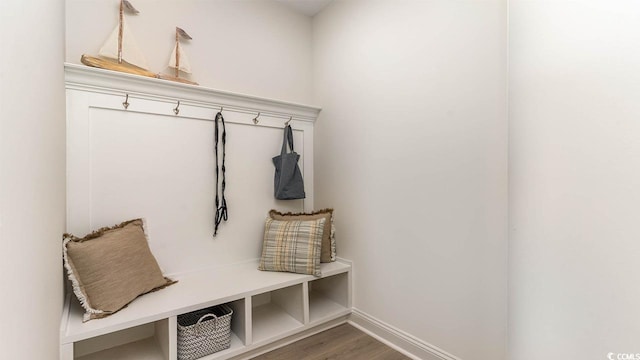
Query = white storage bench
x=267 y=307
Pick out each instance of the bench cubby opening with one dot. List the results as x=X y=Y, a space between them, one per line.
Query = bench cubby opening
x=326 y=297
x=238 y=332
x=277 y=312
x=149 y=341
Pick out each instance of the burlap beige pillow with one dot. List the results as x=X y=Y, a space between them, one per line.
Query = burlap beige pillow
x=111 y=267
x=328 y=252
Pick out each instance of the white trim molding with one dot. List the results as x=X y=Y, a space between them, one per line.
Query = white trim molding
x=397 y=339
x=80 y=77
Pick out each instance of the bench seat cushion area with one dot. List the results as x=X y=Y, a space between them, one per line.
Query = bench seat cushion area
x=111 y=267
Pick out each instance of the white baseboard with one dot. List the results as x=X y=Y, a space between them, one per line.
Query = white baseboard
x=397 y=339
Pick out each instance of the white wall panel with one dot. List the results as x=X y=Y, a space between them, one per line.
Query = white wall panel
x=147 y=162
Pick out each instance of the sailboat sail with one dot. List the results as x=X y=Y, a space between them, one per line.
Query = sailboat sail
x=184 y=64
x=130 y=51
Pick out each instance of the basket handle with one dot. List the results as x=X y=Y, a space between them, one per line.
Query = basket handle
x=206 y=316
x=197 y=325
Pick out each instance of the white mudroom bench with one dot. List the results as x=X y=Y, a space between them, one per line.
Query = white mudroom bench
x=269 y=308
x=109 y=116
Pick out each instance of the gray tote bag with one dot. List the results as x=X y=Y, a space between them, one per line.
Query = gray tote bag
x=288 y=184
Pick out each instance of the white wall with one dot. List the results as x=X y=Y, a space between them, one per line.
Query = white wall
x=252 y=47
x=412 y=153
x=32 y=183
x=574 y=175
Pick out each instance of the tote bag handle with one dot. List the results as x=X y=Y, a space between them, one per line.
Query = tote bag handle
x=288 y=138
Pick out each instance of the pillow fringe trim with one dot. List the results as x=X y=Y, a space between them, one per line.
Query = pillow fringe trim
x=101 y=231
x=76 y=285
x=333 y=241
x=317 y=212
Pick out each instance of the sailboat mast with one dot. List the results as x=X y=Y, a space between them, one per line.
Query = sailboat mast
x=177 y=54
x=120 y=31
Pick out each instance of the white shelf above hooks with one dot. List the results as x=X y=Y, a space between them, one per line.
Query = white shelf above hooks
x=132 y=86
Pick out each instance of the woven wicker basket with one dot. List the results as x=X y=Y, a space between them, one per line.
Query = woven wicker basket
x=204 y=332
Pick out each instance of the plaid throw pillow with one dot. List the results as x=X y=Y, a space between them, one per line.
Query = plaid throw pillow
x=328 y=247
x=292 y=246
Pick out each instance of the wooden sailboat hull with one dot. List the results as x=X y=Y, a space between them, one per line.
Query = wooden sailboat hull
x=178 y=79
x=104 y=63
x=115 y=66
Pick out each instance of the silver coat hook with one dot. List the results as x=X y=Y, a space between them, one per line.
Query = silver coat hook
x=288 y=121
x=125 y=104
x=176 y=110
x=255 y=119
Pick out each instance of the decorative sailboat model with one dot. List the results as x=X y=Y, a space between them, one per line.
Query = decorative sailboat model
x=178 y=60
x=120 y=52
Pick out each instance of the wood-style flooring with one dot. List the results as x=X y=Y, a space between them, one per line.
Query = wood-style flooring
x=343 y=342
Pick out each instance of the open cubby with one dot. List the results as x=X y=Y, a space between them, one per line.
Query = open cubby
x=238 y=324
x=277 y=312
x=238 y=332
x=148 y=342
x=327 y=297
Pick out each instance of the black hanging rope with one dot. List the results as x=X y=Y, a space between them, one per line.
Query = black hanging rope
x=221 y=205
